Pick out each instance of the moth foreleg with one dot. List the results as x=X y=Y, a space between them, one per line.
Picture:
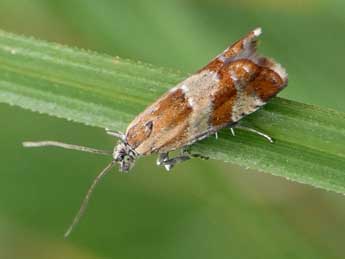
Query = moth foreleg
x=232 y=131
x=162 y=157
x=186 y=154
x=115 y=134
x=164 y=160
x=170 y=163
x=256 y=132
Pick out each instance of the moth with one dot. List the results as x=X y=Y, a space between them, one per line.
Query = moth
x=234 y=84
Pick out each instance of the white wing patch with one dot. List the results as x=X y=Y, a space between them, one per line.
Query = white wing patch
x=198 y=88
x=244 y=103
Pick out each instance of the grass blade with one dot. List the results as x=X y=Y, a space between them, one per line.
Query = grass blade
x=105 y=91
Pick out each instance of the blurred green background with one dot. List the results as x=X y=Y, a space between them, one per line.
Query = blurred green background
x=203 y=209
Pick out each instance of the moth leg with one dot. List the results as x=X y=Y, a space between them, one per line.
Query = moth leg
x=232 y=131
x=168 y=164
x=256 y=132
x=162 y=157
x=232 y=127
x=196 y=155
x=115 y=134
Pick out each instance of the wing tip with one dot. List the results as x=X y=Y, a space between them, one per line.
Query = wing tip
x=265 y=61
x=257 y=32
x=281 y=71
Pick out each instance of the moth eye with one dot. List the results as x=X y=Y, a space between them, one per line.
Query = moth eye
x=148 y=128
x=149 y=125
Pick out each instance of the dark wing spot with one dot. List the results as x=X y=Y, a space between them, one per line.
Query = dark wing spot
x=148 y=128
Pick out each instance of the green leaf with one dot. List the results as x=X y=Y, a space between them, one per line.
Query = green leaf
x=104 y=91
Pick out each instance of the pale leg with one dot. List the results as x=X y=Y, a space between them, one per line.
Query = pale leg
x=168 y=163
x=162 y=158
x=256 y=132
x=115 y=134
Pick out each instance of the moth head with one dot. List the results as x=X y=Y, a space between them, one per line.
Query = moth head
x=125 y=156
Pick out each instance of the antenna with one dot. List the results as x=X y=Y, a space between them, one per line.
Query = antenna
x=49 y=143
x=87 y=197
x=85 y=202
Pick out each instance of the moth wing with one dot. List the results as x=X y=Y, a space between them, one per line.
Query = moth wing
x=246 y=81
x=242 y=48
x=161 y=125
x=236 y=83
x=245 y=86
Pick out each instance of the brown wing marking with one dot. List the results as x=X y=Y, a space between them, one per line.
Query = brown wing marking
x=248 y=44
x=244 y=87
x=168 y=117
x=255 y=85
x=223 y=99
x=243 y=47
x=270 y=79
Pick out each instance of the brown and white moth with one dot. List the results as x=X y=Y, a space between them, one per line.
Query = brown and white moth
x=234 y=84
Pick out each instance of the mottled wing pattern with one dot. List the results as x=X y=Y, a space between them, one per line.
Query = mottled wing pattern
x=247 y=81
x=161 y=124
x=234 y=84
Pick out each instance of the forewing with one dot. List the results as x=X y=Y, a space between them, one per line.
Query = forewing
x=161 y=124
x=245 y=86
x=242 y=48
x=236 y=83
x=246 y=81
